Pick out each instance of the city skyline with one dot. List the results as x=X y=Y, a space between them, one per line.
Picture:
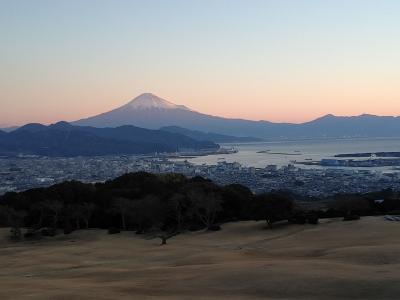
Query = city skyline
x=286 y=61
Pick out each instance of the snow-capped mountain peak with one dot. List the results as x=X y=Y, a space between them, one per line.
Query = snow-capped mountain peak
x=151 y=101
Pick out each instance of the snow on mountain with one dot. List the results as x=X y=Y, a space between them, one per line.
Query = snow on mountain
x=151 y=101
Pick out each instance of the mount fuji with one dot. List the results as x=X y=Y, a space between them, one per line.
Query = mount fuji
x=147 y=111
x=149 y=101
x=152 y=112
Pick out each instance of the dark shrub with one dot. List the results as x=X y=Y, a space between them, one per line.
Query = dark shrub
x=214 y=228
x=15 y=234
x=48 y=232
x=353 y=205
x=273 y=207
x=113 y=230
x=31 y=235
x=195 y=227
x=351 y=217
x=312 y=218
x=333 y=213
x=68 y=230
x=298 y=218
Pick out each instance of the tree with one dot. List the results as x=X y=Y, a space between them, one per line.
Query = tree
x=352 y=205
x=87 y=212
x=73 y=212
x=173 y=180
x=55 y=208
x=166 y=236
x=49 y=208
x=123 y=207
x=149 y=212
x=178 y=206
x=39 y=208
x=14 y=219
x=274 y=207
x=80 y=212
x=236 y=204
x=205 y=204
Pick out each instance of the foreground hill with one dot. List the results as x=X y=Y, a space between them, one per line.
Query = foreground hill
x=64 y=139
x=334 y=260
x=150 y=111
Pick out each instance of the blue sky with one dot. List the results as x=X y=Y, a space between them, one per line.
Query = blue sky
x=276 y=60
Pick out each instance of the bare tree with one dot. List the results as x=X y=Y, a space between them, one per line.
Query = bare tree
x=40 y=209
x=149 y=213
x=87 y=212
x=123 y=207
x=206 y=205
x=177 y=205
x=166 y=236
x=55 y=208
x=14 y=219
x=74 y=212
x=80 y=212
x=51 y=208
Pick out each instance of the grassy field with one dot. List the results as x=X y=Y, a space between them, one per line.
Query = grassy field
x=333 y=260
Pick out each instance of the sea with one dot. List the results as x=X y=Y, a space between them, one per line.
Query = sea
x=282 y=153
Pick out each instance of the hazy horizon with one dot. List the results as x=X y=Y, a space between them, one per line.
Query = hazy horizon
x=127 y=102
x=280 y=61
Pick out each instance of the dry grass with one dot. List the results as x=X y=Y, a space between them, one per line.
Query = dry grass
x=334 y=260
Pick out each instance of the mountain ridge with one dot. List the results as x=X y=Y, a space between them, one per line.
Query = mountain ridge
x=156 y=113
x=64 y=139
x=210 y=136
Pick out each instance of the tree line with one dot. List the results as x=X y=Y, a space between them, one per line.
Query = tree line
x=166 y=204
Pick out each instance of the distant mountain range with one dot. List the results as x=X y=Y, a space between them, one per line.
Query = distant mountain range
x=210 y=136
x=9 y=129
x=64 y=139
x=150 y=111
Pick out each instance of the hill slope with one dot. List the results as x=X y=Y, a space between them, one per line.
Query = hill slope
x=63 y=139
x=334 y=260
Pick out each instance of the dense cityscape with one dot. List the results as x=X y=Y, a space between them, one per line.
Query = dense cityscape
x=18 y=174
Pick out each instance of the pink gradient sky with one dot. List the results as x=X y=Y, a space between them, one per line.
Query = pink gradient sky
x=282 y=61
